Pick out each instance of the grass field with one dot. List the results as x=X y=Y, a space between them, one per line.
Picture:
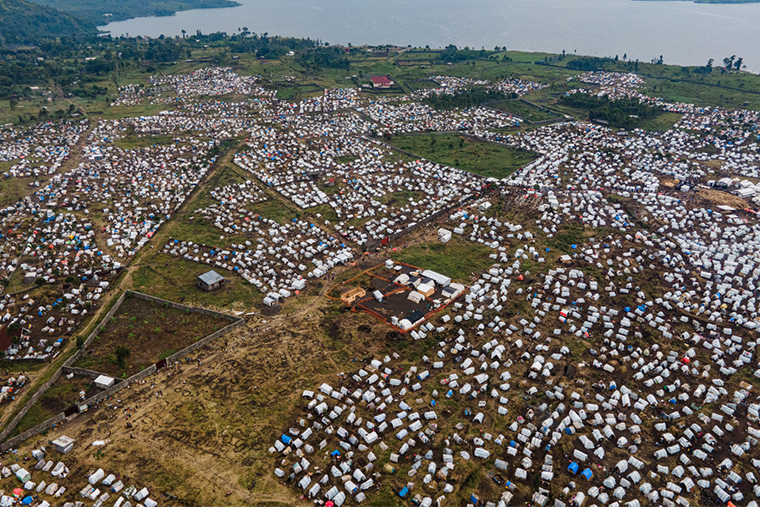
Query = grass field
x=457 y=259
x=524 y=110
x=14 y=189
x=174 y=279
x=133 y=141
x=479 y=157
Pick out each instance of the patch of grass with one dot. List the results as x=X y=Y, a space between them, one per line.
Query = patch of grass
x=457 y=259
x=133 y=141
x=385 y=497
x=662 y=122
x=478 y=157
x=524 y=110
x=174 y=279
x=37 y=414
x=345 y=160
x=166 y=353
x=325 y=211
x=274 y=209
x=201 y=231
x=229 y=174
x=21 y=365
x=14 y=189
x=400 y=199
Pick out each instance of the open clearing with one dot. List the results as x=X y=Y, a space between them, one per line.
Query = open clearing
x=478 y=157
x=457 y=259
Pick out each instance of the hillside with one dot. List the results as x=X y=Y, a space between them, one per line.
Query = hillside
x=24 y=22
x=101 y=12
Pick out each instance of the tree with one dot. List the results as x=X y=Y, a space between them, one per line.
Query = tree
x=738 y=63
x=122 y=353
x=183 y=33
x=13 y=103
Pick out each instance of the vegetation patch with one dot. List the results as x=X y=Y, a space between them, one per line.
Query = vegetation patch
x=140 y=332
x=174 y=279
x=478 y=157
x=524 y=110
x=467 y=98
x=457 y=259
x=626 y=113
x=61 y=395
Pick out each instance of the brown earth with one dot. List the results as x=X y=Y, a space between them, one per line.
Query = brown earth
x=150 y=331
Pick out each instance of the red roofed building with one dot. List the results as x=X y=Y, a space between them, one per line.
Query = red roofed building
x=381 y=82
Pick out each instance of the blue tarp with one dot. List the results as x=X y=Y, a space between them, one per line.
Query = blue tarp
x=587 y=473
x=403 y=492
x=286 y=439
x=573 y=468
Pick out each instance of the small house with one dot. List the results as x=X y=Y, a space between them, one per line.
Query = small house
x=63 y=444
x=381 y=82
x=210 y=280
x=104 y=382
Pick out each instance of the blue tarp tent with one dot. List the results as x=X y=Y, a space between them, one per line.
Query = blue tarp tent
x=403 y=492
x=573 y=468
x=588 y=474
x=286 y=439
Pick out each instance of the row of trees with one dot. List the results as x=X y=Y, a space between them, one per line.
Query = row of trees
x=467 y=98
x=626 y=113
x=324 y=57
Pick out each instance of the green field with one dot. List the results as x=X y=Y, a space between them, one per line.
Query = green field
x=174 y=279
x=524 y=110
x=457 y=259
x=134 y=141
x=479 y=157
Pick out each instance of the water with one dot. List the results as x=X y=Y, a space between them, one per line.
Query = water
x=683 y=32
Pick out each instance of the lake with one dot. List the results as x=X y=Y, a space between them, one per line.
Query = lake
x=683 y=32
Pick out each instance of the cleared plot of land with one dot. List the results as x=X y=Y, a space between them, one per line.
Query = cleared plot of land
x=478 y=157
x=142 y=333
x=457 y=259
